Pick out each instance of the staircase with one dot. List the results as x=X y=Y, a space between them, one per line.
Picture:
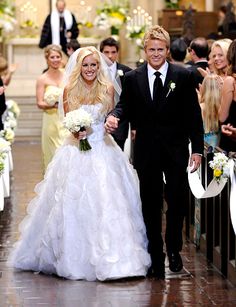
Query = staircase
x=30 y=119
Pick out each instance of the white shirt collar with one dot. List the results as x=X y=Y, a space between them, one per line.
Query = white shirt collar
x=162 y=70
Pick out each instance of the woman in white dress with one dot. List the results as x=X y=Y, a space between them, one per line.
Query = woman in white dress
x=86 y=220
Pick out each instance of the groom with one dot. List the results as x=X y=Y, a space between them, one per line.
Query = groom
x=161 y=104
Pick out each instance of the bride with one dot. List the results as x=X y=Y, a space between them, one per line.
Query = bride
x=86 y=220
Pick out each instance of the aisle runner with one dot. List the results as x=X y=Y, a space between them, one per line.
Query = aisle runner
x=215 y=188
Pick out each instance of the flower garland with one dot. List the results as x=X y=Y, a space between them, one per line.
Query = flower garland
x=10 y=117
x=220 y=166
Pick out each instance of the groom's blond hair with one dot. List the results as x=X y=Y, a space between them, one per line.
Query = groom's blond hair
x=157 y=32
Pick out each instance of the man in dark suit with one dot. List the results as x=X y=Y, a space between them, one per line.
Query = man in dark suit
x=110 y=47
x=59 y=27
x=2 y=103
x=198 y=51
x=165 y=113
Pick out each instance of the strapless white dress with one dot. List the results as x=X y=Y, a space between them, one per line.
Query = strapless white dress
x=86 y=220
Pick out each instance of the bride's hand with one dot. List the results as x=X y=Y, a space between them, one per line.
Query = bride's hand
x=80 y=135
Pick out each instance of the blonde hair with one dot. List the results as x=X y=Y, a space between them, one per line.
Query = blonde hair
x=77 y=92
x=211 y=97
x=156 y=32
x=224 y=44
x=50 y=48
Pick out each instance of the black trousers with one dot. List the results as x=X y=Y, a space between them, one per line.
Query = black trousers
x=153 y=190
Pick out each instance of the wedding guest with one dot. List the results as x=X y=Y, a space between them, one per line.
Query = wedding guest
x=72 y=46
x=198 y=51
x=160 y=101
x=110 y=47
x=6 y=71
x=218 y=62
x=229 y=130
x=227 y=111
x=178 y=51
x=86 y=220
x=210 y=98
x=2 y=103
x=49 y=84
x=59 y=27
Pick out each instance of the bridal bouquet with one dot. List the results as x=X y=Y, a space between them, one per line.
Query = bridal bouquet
x=78 y=120
x=220 y=166
x=52 y=95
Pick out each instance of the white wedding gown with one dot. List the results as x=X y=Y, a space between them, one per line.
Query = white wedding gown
x=86 y=220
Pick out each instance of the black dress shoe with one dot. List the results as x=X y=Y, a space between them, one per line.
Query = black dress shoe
x=175 y=262
x=157 y=273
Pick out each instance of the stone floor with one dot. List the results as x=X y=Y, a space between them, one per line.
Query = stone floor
x=198 y=285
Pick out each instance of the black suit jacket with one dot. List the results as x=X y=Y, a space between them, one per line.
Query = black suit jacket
x=172 y=123
x=122 y=132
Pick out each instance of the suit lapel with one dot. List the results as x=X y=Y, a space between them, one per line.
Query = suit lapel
x=170 y=77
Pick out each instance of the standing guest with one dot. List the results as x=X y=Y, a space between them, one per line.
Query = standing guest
x=2 y=103
x=72 y=46
x=178 y=51
x=86 y=221
x=110 y=47
x=50 y=82
x=210 y=98
x=160 y=101
x=227 y=112
x=198 y=52
x=6 y=71
x=59 y=27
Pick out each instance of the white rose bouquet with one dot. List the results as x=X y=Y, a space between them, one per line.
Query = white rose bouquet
x=78 y=120
x=52 y=95
x=220 y=166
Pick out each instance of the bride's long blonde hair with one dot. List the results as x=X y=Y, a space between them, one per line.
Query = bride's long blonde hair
x=77 y=92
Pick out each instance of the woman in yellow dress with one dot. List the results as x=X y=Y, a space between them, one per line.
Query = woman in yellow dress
x=48 y=90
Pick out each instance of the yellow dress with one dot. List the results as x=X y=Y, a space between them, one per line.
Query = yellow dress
x=53 y=133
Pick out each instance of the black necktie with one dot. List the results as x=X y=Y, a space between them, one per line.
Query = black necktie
x=157 y=88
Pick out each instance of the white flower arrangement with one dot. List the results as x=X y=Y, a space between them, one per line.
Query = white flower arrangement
x=12 y=107
x=111 y=14
x=7 y=20
x=220 y=166
x=8 y=134
x=171 y=88
x=78 y=120
x=10 y=121
x=2 y=162
x=52 y=95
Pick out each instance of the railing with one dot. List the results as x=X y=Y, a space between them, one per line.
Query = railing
x=214 y=235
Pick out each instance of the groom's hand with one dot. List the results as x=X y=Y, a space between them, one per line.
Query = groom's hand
x=111 y=123
x=195 y=161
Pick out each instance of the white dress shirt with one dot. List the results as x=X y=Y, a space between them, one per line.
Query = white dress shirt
x=152 y=76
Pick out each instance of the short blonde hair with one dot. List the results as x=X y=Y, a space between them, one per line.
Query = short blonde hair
x=157 y=32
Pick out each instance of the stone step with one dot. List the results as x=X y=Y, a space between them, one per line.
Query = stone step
x=30 y=120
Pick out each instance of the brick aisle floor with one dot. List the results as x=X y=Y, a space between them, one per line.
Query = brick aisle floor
x=199 y=285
